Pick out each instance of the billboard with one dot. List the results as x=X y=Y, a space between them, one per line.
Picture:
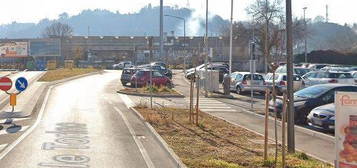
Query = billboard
x=13 y=49
x=346 y=130
x=45 y=47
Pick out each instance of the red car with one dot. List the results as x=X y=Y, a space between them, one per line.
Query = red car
x=142 y=78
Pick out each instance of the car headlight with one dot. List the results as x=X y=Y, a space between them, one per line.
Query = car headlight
x=298 y=104
x=332 y=117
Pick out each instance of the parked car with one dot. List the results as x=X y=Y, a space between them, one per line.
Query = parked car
x=221 y=68
x=339 y=68
x=281 y=82
x=161 y=69
x=297 y=70
x=316 y=67
x=322 y=77
x=354 y=75
x=127 y=74
x=159 y=64
x=241 y=82
x=122 y=65
x=323 y=117
x=311 y=97
x=142 y=78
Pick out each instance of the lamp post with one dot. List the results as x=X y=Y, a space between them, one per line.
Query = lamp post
x=184 y=37
x=305 y=33
x=206 y=52
x=161 y=29
x=231 y=41
x=290 y=70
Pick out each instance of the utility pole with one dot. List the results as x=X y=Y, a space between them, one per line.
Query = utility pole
x=161 y=29
x=206 y=52
x=290 y=69
x=184 y=38
x=266 y=50
x=305 y=33
x=231 y=41
x=326 y=13
x=151 y=70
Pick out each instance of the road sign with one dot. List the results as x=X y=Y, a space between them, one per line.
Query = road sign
x=21 y=84
x=12 y=99
x=5 y=83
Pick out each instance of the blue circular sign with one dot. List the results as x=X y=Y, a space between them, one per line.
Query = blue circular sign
x=21 y=84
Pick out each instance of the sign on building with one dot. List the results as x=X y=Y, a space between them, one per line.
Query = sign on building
x=45 y=47
x=13 y=49
x=346 y=130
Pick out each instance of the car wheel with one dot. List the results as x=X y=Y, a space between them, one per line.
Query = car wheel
x=168 y=85
x=278 y=92
x=238 y=90
x=300 y=119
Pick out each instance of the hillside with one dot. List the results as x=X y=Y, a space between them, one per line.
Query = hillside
x=107 y=23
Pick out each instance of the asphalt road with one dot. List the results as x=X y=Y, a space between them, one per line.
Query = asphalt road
x=84 y=123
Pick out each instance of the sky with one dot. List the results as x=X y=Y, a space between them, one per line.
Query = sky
x=340 y=11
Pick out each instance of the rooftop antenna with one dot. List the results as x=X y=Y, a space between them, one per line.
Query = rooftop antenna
x=327 y=14
x=188 y=4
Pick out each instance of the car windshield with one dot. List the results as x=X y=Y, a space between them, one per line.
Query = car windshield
x=312 y=92
x=340 y=75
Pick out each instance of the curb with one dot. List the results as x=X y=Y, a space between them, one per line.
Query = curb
x=297 y=127
x=148 y=95
x=161 y=141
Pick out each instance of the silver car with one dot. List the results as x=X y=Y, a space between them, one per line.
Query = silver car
x=241 y=82
x=323 y=117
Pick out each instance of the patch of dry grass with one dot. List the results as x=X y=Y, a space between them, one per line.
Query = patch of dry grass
x=157 y=90
x=58 y=74
x=214 y=143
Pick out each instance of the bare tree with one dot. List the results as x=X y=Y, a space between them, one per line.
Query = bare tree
x=266 y=13
x=58 y=30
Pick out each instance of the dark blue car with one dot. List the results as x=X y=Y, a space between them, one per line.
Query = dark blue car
x=309 y=98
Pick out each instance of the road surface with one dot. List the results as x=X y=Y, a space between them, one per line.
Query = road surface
x=84 y=123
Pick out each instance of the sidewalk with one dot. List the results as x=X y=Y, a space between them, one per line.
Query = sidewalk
x=316 y=144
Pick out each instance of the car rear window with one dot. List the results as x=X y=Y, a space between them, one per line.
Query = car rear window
x=340 y=75
x=296 y=78
x=256 y=77
x=126 y=71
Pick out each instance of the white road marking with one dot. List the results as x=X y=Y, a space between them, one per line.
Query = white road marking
x=218 y=110
x=210 y=107
x=23 y=128
x=127 y=101
x=213 y=104
x=28 y=131
x=3 y=146
x=143 y=152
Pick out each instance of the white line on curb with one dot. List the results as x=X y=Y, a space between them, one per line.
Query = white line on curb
x=3 y=146
x=143 y=152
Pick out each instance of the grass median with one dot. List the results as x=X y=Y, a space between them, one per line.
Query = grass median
x=215 y=143
x=155 y=90
x=58 y=74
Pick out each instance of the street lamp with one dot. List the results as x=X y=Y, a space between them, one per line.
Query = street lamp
x=184 y=37
x=231 y=41
x=305 y=33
